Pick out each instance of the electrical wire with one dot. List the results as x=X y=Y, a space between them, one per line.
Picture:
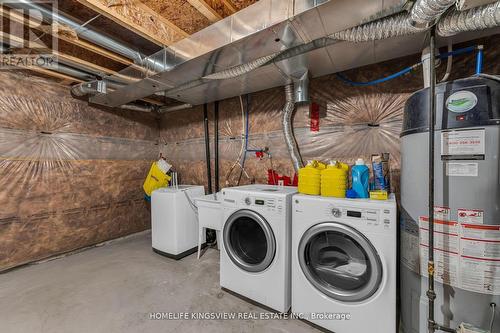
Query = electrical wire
x=191 y=203
x=242 y=148
x=247 y=125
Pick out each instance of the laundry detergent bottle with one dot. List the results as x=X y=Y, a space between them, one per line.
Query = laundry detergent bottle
x=360 y=179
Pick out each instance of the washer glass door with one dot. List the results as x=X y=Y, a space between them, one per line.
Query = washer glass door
x=249 y=241
x=340 y=262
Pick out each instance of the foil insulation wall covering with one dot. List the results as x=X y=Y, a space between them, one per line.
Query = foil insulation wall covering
x=71 y=174
x=354 y=122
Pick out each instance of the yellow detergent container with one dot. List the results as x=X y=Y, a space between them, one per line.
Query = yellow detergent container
x=310 y=179
x=335 y=180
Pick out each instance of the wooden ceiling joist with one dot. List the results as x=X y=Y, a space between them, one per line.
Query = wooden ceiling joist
x=139 y=18
x=74 y=61
x=229 y=5
x=17 y=17
x=66 y=78
x=206 y=10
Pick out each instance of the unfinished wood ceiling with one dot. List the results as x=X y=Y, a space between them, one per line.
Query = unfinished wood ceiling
x=144 y=25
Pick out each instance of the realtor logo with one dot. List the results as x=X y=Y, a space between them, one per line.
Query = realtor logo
x=29 y=34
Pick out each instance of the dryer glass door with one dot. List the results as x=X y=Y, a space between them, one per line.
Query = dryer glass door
x=340 y=262
x=249 y=241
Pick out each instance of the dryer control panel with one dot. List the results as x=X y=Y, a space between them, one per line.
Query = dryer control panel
x=367 y=216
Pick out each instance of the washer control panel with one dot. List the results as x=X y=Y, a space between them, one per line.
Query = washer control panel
x=262 y=203
x=367 y=216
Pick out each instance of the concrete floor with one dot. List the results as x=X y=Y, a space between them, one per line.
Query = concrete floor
x=114 y=288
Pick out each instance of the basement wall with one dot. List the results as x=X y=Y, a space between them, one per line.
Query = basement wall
x=70 y=175
x=354 y=122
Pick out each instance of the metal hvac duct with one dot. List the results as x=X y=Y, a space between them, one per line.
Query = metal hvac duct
x=422 y=15
x=478 y=18
x=197 y=67
x=425 y=12
x=287 y=117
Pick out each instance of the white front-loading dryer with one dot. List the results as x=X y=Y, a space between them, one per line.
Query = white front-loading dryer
x=255 y=253
x=344 y=263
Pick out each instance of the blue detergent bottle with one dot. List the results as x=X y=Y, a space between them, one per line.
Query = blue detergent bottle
x=360 y=179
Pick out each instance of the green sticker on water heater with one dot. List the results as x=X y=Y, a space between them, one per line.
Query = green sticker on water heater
x=461 y=101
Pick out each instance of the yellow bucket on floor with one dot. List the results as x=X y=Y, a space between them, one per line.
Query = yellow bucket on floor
x=335 y=180
x=156 y=178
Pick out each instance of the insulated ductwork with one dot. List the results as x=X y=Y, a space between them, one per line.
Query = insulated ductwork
x=171 y=108
x=394 y=26
x=287 y=122
x=301 y=88
x=425 y=12
x=138 y=108
x=241 y=69
x=478 y=18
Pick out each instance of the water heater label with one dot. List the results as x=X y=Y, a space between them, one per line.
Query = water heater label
x=463 y=142
x=480 y=258
x=466 y=256
x=470 y=216
x=461 y=101
x=462 y=169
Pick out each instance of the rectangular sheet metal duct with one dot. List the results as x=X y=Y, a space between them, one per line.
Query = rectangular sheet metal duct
x=267 y=27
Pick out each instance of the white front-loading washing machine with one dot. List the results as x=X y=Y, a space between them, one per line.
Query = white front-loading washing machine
x=344 y=263
x=255 y=253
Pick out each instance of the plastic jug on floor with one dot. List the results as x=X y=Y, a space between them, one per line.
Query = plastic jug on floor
x=360 y=179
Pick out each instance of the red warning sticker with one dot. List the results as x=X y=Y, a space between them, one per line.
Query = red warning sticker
x=470 y=216
x=314 y=115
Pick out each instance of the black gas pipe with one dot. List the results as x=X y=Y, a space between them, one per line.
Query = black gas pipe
x=216 y=145
x=431 y=294
x=207 y=147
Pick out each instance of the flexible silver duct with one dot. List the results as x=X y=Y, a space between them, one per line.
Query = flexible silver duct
x=425 y=12
x=241 y=69
x=138 y=108
x=478 y=18
x=166 y=108
x=422 y=15
x=393 y=26
x=287 y=116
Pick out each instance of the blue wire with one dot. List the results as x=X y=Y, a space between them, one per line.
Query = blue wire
x=457 y=52
x=384 y=79
x=406 y=70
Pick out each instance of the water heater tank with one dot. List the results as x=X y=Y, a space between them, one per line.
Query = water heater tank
x=467 y=205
